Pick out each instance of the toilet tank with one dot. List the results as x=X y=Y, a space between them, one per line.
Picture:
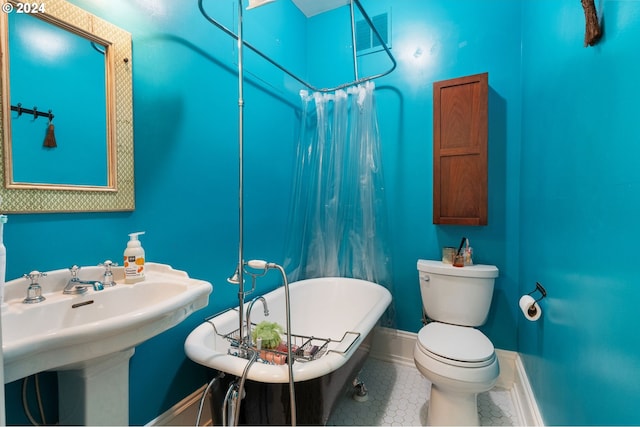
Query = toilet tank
x=456 y=295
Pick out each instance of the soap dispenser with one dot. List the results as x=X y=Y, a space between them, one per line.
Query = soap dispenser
x=134 y=259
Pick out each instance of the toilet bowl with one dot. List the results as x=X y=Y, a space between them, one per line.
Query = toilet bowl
x=457 y=370
x=457 y=359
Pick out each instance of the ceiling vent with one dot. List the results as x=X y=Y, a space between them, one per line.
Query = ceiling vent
x=366 y=39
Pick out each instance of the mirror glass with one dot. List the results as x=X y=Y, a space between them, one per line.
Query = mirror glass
x=52 y=66
x=66 y=122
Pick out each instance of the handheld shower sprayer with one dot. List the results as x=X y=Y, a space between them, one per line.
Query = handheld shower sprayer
x=260 y=269
x=259 y=264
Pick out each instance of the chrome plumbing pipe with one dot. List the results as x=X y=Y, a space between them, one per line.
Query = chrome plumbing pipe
x=240 y=175
x=263 y=265
x=204 y=396
x=236 y=414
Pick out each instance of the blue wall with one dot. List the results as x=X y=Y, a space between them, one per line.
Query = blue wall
x=562 y=186
x=580 y=187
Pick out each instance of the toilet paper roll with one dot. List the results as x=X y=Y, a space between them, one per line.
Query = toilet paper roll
x=530 y=308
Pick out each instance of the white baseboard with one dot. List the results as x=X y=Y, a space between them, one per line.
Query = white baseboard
x=393 y=345
x=185 y=412
x=396 y=346
x=524 y=399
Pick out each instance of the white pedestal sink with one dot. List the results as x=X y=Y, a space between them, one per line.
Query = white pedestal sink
x=88 y=339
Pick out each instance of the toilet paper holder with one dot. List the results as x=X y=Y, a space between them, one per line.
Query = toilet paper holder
x=543 y=292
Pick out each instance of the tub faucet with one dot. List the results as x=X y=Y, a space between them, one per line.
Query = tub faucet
x=266 y=313
x=76 y=286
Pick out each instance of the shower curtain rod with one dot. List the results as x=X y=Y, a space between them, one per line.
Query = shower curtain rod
x=356 y=81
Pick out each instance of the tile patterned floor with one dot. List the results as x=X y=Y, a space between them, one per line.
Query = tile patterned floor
x=398 y=396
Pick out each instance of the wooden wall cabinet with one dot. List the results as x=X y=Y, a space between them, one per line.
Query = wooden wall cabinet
x=460 y=134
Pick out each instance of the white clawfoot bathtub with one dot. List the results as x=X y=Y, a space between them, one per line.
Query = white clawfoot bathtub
x=343 y=311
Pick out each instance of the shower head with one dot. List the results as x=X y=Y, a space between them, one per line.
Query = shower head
x=257 y=3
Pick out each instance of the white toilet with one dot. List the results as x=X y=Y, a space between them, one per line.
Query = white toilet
x=458 y=359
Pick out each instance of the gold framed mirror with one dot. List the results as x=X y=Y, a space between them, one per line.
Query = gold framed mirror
x=113 y=140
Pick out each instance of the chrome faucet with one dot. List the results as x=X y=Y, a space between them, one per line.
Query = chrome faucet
x=34 y=291
x=266 y=313
x=76 y=286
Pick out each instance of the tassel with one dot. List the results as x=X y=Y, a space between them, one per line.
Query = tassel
x=593 y=31
x=50 y=139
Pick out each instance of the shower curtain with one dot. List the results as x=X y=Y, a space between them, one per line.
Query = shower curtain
x=338 y=219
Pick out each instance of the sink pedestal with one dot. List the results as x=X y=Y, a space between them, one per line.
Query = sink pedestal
x=95 y=392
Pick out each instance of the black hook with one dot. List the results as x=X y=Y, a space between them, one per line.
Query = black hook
x=20 y=110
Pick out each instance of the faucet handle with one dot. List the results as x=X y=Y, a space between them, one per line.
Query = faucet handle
x=34 y=276
x=108 y=264
x=108 y=274
x=74 y=271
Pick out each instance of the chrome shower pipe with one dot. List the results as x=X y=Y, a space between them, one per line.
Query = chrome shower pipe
x=354 y=48
x=264 y=56
x=240 y=176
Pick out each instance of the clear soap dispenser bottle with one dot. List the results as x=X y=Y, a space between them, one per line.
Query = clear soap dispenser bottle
x=134 y=259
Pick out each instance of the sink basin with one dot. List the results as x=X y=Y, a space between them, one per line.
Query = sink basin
x=79 y=332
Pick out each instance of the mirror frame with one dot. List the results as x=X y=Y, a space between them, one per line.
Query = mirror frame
x=118 y=194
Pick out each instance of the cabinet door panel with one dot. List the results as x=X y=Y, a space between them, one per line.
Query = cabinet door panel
x=460 y=134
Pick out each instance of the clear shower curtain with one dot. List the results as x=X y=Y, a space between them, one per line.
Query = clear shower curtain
x=338 y=218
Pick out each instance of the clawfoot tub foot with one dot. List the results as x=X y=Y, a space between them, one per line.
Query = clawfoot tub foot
x=360 y=392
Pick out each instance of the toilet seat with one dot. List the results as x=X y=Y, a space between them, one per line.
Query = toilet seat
x=456 y=345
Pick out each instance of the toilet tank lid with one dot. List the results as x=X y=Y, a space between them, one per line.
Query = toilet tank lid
x=439 y=267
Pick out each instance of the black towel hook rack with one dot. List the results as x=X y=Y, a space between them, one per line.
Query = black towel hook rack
x=20 y=110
